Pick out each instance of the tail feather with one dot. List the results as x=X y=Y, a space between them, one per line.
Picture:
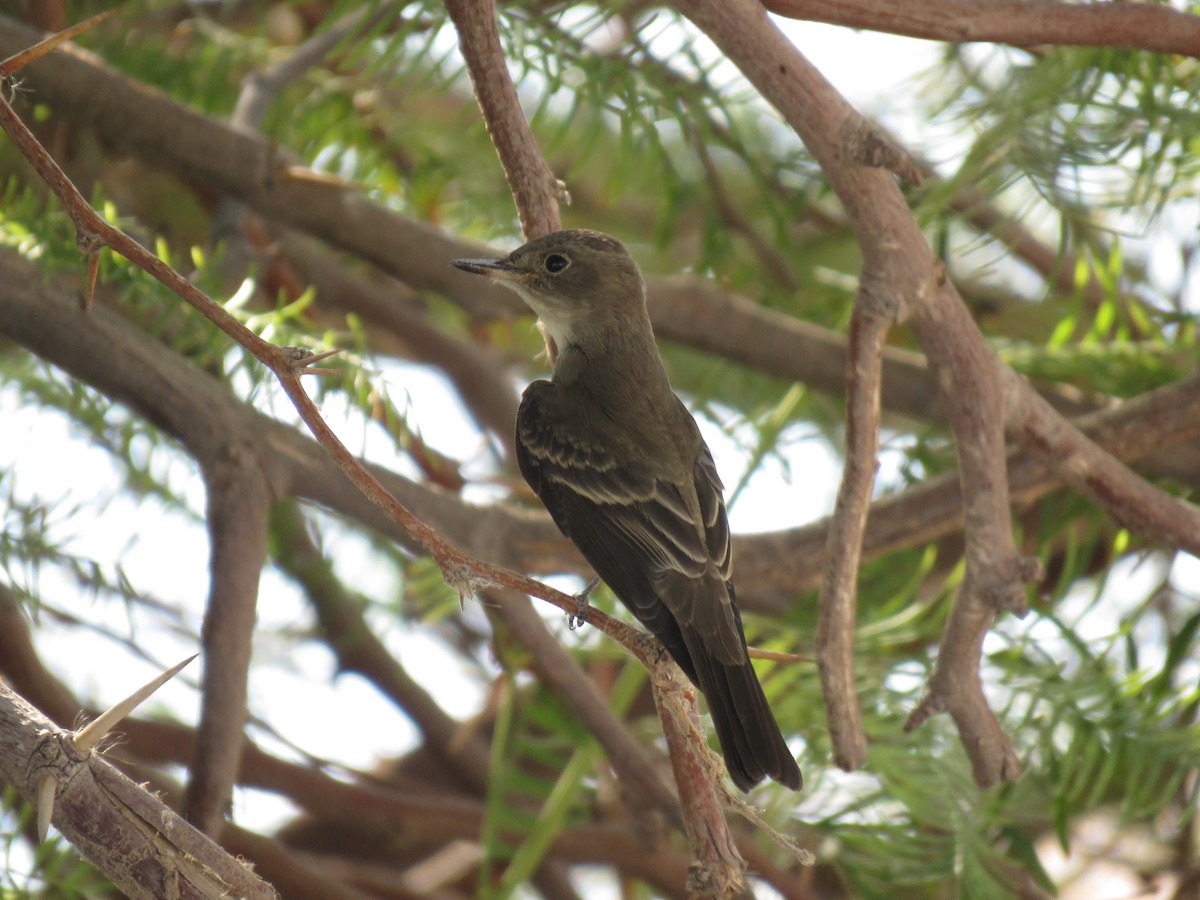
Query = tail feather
x=750 y=739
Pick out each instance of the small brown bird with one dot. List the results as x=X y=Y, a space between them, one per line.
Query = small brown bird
x=620 y=464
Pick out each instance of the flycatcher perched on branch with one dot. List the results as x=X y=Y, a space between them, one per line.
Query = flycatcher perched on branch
x=620 y=464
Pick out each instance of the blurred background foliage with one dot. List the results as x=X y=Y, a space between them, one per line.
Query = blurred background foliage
x=1092 y=151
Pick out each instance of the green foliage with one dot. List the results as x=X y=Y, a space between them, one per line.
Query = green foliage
x=536 y=783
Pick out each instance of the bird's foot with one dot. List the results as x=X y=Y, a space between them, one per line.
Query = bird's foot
x=579 y=618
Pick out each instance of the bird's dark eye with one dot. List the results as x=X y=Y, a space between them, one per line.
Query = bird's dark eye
x=555 y=263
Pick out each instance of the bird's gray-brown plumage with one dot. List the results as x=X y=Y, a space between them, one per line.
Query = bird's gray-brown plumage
x=620 y=464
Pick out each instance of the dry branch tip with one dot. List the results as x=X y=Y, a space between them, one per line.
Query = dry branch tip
x=802 y=855
x=930 y=705
x=19 y=60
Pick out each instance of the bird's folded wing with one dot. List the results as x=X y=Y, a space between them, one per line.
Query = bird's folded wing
x=653 y=540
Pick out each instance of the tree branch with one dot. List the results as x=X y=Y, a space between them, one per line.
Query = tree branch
x=774 y=568
x=238 y=503
x=1021 y=23
x=1130 y=499
x=899 y=271
x=972 y=382
x=126 y=832
x=135 y=118
x=535 y=190
x=839 y=590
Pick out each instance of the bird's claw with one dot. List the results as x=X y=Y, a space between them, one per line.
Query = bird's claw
x=579 y=618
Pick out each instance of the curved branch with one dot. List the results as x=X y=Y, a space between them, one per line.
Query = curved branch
x=971 y=380
x=898 y=270
x=1021 y=23
x=838 y=604
x=1090 y=469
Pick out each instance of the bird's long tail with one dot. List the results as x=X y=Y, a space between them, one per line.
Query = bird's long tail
x=750 y=739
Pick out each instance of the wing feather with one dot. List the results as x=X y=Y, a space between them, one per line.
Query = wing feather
x=662 y=546
x=661 y=542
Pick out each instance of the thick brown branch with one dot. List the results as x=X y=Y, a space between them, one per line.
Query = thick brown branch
x=1095 y=473
x=894 y=254
x=956 y=687
x=1022 y=23
x=534 y=188
x=238 y=502
x=129 y=834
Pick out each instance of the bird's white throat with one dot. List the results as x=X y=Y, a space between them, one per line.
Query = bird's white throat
x=557 y=331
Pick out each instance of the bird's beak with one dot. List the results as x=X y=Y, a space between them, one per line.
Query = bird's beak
x=500 y=269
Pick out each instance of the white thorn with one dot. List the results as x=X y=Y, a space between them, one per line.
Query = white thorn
x=90 y=734
x=46 y=787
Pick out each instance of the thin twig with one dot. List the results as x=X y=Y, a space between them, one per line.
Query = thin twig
x=18 y=61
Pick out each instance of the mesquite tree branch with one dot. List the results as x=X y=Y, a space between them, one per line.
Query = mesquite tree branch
x=535 y=190
x=977 y=391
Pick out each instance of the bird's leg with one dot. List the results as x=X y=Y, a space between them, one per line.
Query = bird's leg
x=579 y=618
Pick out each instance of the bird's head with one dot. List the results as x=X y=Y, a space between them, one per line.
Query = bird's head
x=582 y=284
